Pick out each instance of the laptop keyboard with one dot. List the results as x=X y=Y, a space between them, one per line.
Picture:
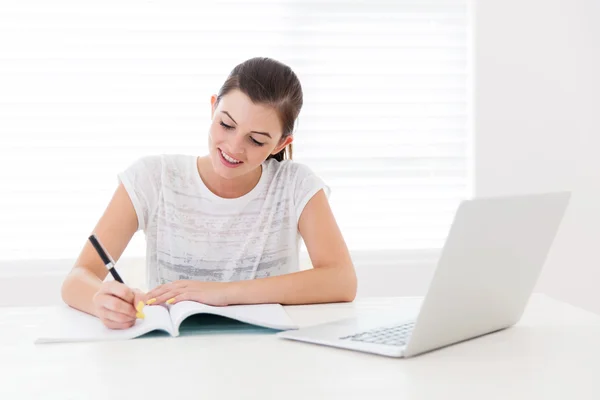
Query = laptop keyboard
x=392 y=336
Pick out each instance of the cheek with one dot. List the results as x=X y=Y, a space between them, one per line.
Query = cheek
x=259 y=154
x=214 y=133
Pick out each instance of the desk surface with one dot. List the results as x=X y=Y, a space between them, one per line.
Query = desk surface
x=552 y=353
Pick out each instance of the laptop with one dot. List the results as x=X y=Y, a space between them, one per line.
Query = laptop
x=487 y=270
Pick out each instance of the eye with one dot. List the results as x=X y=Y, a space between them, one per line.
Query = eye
x=256 y=142
x=224 y=125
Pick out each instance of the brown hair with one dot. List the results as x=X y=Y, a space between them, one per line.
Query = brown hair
x=270 y=82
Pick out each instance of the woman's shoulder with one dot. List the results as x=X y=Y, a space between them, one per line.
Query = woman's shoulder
x=300 y=181
x=289 y=169
x=298 y=177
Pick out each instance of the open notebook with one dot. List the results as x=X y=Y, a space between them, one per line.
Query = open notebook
x=66 y=324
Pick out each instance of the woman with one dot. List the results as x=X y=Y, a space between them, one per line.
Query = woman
x=224 y=228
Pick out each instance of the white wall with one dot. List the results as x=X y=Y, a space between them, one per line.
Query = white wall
x=537 y=88
x=537 y=124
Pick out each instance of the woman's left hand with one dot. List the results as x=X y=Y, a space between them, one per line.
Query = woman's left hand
x=211 y=293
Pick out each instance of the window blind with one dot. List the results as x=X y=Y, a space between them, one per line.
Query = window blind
x=88 y=87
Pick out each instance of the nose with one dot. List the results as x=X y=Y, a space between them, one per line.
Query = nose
x=236 y=144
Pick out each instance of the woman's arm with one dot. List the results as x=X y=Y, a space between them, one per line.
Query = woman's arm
x=332 y=278
x=115 y=229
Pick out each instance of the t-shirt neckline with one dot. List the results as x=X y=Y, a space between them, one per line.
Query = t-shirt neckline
x=244 y=198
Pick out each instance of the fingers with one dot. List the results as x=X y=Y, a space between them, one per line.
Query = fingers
x=165 y=292
x=117 y=305
x=139 y=302
x=138 y=296
x=119 y=290
x=118 y=325
x=115 y=320
x=113 y=316
x=176 y=298
x=160 y=290
x=114 y=302
x=167 y=297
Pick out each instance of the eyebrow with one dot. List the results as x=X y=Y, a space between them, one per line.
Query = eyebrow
x=260 y=133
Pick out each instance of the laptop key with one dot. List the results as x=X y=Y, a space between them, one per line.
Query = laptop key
x=391 y=336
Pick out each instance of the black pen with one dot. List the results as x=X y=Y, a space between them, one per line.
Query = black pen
x=106 y=259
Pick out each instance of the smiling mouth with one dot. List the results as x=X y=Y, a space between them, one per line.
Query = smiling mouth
x=230 y=161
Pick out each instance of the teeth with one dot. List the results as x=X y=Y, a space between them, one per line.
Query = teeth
x=231 y=160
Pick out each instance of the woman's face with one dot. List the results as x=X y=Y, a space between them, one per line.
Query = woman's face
x=242 y=134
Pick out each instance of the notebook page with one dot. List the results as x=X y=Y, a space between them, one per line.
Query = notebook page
x=66 y=324
x=265 y=315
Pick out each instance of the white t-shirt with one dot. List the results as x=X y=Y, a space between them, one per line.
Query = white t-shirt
x=191 y=233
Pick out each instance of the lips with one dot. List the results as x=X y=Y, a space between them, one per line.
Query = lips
x=228 y=160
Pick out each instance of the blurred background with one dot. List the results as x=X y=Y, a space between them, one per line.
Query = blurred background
x=410 y=107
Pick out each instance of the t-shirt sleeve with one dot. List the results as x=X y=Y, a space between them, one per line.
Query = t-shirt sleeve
x=142 y=181
x=307 y=185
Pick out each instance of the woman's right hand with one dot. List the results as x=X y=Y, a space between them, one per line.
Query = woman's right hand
x=115 y=305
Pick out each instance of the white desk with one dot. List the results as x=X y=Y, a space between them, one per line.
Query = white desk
x=553 y=353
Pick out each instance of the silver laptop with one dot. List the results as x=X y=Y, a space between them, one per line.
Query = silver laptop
x=484 y=278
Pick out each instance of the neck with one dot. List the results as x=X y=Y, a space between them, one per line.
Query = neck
x=226 y=188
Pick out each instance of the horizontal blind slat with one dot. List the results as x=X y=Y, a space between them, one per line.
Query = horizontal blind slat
x=88 y=88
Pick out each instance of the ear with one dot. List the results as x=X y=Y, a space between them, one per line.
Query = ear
x=213 y=105
x=282 y=145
